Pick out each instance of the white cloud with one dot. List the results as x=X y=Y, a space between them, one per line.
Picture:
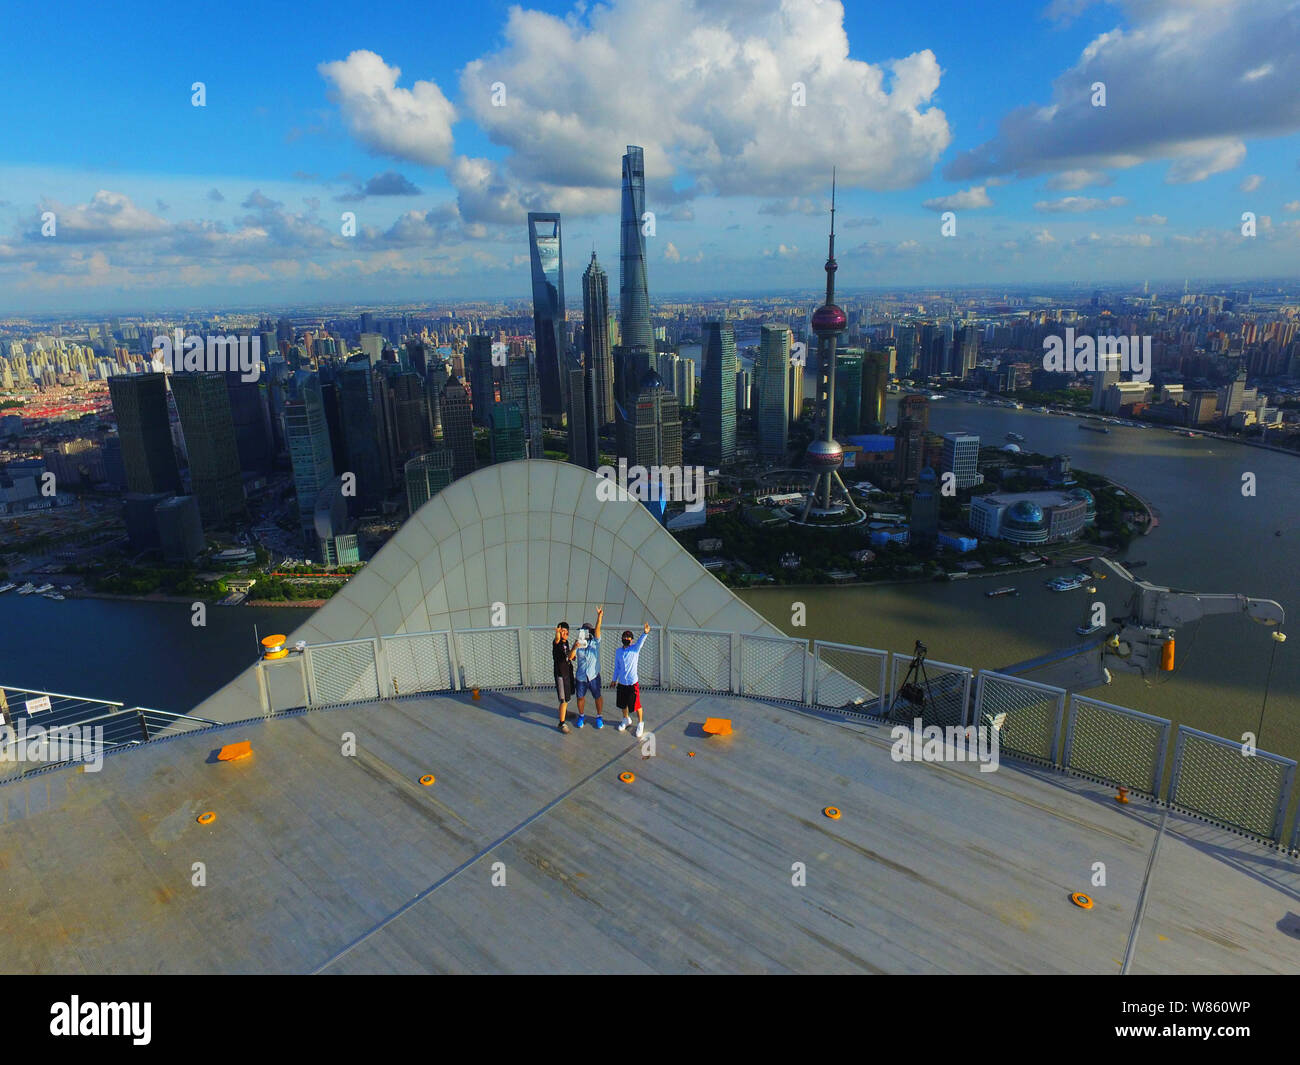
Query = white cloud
x=1184 y=82
x=1291 y=206
x=1072 y=180
x=712 y=105
x=412 y=123
x=1151 y=220
x=1251 y=182
x=1200 y=159
x=109 y=216
x=968 y=200
x=1077 y=204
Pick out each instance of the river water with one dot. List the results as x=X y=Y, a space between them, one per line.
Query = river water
x=1211 y=538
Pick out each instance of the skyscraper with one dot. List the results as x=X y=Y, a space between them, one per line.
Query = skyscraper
x=507 y=433
x=458 y=427
x=634 y=287
x=547 y=255
x=961 y=452
x=140 y=407
x=796 y=392
x=848 y=391
x=718 y=402
x=209 y=428
x=309 y=445
x=521 y=388
x=597 y=351
x=251 y=414
x=655 y=425
x=583 y=449
x=875 y=388
x=426 y=475
x=909 y=446
x=478 y=364
x=772 y=373
x=361 y=433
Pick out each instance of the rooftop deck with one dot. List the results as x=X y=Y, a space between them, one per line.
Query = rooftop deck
x=321 y=862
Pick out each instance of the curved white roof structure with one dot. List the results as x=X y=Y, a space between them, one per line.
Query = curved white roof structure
x=533 y=535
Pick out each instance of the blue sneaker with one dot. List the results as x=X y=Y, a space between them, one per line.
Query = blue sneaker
x=600 y=722
x=582 y=720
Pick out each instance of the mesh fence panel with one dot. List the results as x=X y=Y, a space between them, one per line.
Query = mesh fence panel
x=344 y=672
x=1026 y=715
x=538 y=640
x=1115 y=744
x=286 y=682
x=1214 y=778
x=772 y=667
x=699 y=661
x=418 y=662
x=849 y=677
x=947 y=693
x=489 y=658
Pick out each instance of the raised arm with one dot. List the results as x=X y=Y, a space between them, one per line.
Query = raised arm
x=600 y=619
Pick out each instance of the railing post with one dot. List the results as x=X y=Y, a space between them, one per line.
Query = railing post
x=734 y=663
x=383 y=676
x=453 y=660
x=666 y=658
x=263 y=690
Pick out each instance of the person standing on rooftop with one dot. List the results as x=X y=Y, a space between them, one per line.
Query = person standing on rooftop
x=627 y=682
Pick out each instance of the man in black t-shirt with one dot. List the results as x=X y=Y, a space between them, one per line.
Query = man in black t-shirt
x=563 y=655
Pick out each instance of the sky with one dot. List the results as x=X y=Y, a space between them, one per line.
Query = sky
x=437 y=127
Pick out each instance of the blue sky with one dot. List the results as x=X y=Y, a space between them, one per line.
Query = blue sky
x=982 y=109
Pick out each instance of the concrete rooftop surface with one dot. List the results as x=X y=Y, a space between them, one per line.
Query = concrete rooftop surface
x=321 y=862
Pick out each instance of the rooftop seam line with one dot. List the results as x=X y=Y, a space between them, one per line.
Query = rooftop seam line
x=1131 y=950
x=426 y=892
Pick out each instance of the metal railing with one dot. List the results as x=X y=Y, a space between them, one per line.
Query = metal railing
x=40 y=735
x=1214 y=778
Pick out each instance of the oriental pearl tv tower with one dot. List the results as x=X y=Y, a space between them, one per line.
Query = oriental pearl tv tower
x=824 y=456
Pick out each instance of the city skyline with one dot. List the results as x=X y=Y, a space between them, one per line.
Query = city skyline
x=440 y=168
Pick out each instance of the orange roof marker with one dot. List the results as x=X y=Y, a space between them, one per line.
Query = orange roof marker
x=207 y=818
x=232 y=752
x=718 y=726
x=690 y=754
x=1081 y=900
x=627 y=778
x=832 y=812
x=427 y=779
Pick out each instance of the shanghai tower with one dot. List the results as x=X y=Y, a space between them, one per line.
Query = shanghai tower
x=634 y=289
x=546 y=253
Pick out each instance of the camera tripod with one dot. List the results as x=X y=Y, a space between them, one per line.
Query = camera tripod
x=915 y=690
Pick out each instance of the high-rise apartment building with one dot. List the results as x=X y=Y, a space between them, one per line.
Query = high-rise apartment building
x=360 y=414
x=583 y=440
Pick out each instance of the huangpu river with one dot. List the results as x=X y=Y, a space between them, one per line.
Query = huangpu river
x=1210 y=538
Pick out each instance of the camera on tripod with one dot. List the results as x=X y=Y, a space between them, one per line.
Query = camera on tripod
x=911 y=691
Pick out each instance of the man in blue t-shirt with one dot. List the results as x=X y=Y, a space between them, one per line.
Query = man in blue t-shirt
x=587 y=667
x=627 y=686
